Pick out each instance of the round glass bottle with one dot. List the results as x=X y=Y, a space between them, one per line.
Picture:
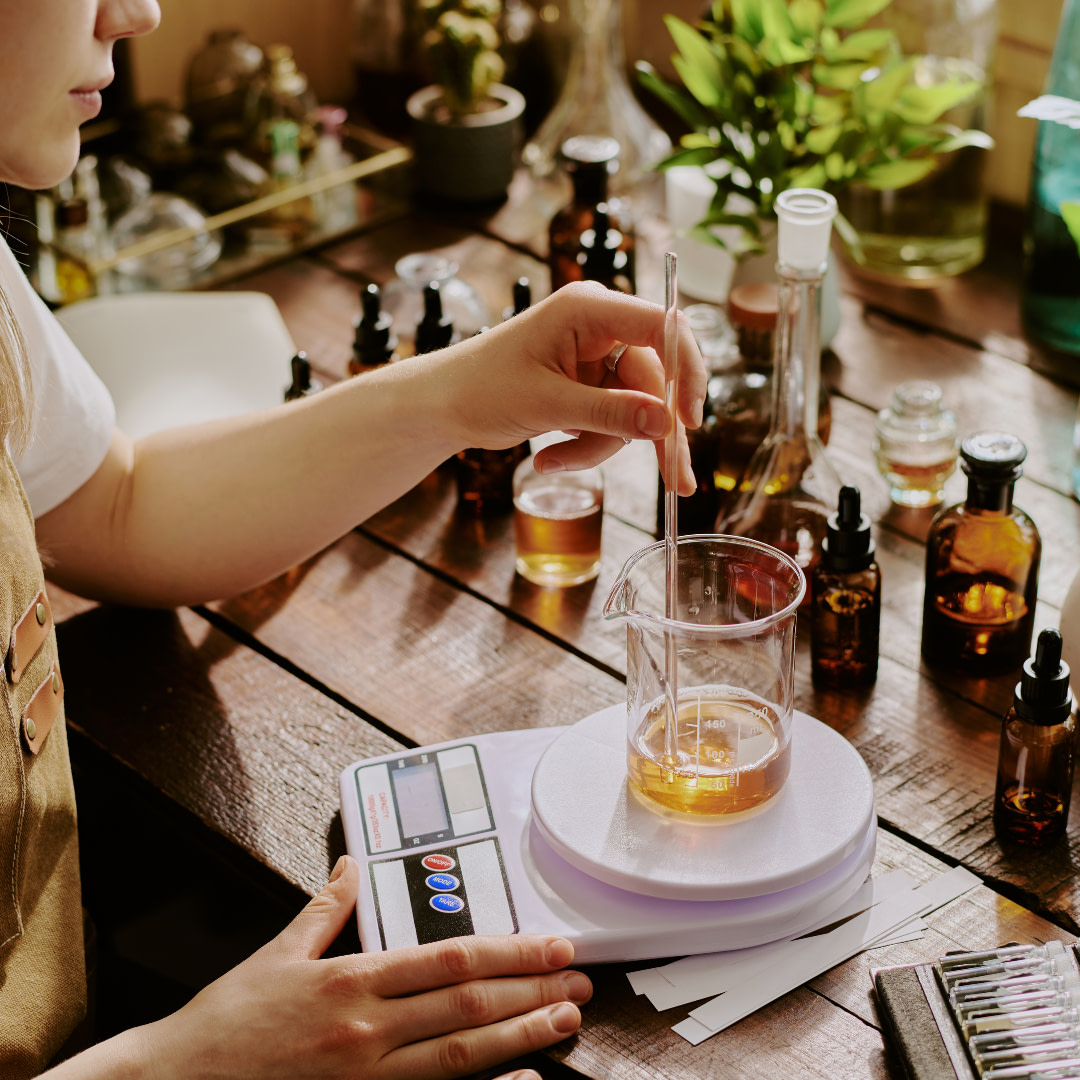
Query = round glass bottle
x=596 y=99
x=915 y=444
x=982 y=566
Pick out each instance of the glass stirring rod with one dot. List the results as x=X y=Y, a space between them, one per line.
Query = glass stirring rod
x=671 y=528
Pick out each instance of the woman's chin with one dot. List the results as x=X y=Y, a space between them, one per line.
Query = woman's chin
x=41 y=165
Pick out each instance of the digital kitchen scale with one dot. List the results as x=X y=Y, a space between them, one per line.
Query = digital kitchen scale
x=539 y=831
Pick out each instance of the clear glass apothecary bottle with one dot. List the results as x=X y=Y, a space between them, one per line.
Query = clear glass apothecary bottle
x=915 y=444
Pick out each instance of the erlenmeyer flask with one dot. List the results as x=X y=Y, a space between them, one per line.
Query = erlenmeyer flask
x=789 y=488
x=596 y=99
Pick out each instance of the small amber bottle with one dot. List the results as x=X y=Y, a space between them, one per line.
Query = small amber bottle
x=375 y=342
x=982 y=566
x=1035 y=763
x=588 y=160
x=603 y=255
x=845 y=605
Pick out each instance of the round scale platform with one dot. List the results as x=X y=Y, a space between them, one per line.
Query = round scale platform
x=805 y=850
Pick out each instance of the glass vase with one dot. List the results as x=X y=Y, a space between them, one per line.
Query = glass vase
x=596 y=99
x=936 y=227
x=1051 y=297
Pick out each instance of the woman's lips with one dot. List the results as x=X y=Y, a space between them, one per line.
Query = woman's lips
x=89 y=101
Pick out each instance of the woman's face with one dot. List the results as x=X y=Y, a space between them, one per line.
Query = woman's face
x=55 y=58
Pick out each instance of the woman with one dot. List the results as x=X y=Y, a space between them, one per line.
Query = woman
x=188 y=515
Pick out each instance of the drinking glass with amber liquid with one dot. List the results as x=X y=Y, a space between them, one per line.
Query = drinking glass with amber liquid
x=557 y=524
x=982 y=566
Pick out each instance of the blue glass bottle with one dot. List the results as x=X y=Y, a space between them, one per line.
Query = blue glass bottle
x=1051 y=301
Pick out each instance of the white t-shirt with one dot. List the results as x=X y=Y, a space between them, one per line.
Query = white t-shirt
x=73 y=417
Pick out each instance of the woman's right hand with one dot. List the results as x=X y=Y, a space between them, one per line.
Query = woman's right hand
x=440 y=1010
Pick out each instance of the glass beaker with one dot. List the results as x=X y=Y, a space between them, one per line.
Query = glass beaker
x=734 y=635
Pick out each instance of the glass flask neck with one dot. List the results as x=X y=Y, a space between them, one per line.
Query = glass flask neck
x=797 y=352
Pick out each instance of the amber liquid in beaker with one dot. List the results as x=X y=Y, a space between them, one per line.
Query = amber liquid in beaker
x=731 y=753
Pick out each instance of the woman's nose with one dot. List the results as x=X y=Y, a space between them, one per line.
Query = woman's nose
x=126 y=18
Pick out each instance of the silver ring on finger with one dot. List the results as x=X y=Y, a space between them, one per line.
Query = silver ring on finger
x=611 y=361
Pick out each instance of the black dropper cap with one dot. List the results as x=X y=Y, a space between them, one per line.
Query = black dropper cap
x=847 y=546
x=1042 y=695
x=600 y=256
x=375 y=340
x=434 y=330
x=302 y=383
x=522 y=295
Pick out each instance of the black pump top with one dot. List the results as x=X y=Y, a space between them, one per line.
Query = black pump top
x=848 y=546
x=1042 y=695
x=434 y=330
x=375 y=340
x=522 y=295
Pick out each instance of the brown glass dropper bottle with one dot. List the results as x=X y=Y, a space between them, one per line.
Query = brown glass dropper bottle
x=435 y=330
x=1035 y=761
x=375 y=341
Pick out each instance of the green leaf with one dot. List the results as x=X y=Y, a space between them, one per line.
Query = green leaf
x=697 y=64
x=676 y=99
x=862 y=45
x=1070 y=214
x=881 y=92
x=696 y=156
x=776 y=20
x=848 y=14
x=820 y=140
x=898 y=174
x=924 y=104
x=781 y=52
x=695 y=140
x=748 y=222
x=834 y=167
x=958 y=140
x=813 y=177
x=747 y=18
x=838 y=76
x=807 y=17
x=829 y=108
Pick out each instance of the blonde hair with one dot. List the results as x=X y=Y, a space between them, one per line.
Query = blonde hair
x=16 y=389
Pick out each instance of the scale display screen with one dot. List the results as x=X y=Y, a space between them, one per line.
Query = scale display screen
x=419 y=794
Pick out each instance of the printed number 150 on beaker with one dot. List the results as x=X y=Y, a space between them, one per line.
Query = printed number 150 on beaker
x=734 y=631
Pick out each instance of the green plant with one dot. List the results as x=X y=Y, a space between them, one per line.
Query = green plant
x=461 y=40
x=793 y=94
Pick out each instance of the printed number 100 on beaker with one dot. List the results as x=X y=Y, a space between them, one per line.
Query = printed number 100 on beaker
x=733 y=627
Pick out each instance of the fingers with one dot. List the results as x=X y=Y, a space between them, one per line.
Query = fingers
x=464 y=1052
x=484 y=1002
x=458 y=960
x=687 y=484
x=313 y=931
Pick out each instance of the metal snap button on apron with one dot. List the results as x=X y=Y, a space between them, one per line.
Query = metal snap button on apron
x=41 y=614
x=31 y=729
x=55 y=684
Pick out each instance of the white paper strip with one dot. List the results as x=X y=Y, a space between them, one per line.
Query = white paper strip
x=696 y=977
x=809 y=957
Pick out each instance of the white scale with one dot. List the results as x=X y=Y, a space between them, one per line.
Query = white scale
x=538 y=831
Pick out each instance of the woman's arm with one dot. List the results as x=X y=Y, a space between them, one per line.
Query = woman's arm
x=197 y=513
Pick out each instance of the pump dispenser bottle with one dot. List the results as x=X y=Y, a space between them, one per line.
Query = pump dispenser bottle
x=982 y=566
x=375 y=342
x=434 y=330
x=522 y=299
x=845 y=611
x=789 y=488
x=1035 y=762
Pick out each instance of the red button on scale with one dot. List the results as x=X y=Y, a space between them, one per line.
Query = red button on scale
x=438 y=862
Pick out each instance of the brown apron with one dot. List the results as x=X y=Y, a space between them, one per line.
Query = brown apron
x=42 y=968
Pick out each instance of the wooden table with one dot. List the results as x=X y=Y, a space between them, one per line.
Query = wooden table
x=236 y=719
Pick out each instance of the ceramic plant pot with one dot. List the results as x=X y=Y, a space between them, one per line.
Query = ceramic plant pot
x=471 y=158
